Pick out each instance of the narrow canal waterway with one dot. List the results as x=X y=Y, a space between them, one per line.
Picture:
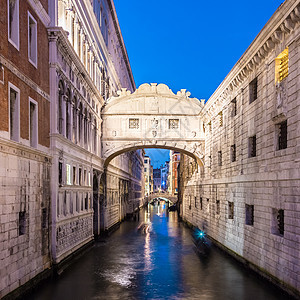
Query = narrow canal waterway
x=155 y=262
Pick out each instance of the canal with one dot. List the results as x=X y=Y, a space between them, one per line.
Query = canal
x=155 y=260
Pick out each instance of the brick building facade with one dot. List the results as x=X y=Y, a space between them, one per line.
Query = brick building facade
x=24 y=142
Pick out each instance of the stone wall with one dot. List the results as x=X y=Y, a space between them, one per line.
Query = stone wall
x=24 y=215
x=250 y=200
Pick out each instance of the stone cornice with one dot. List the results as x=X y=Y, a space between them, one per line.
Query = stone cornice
x=40 y=11
x=283 y=22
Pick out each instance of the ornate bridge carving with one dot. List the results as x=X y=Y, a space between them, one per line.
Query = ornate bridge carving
x=153 y=117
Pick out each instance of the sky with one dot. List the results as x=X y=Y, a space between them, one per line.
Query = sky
x=189 y=45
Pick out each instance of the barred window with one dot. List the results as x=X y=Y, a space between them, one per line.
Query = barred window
x=219 y=158
x=230 y=210
x=233 y=153
x=134 y=123
x=252 y=146
x=249 y=214
x=173 y=123
x=234 y=107
x=253 y=90
x=282 y=135
x=282 y=65
x=278 y=221
x=217 y=207
x=220 y=115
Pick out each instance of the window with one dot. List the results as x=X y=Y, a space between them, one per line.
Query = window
x=32 y=40
x=230 y=210
x=220 y=115
x=249 y=214
x=219 y=158
x=233 y=153
x=13 y=22
x=282 y=135
x=60 y=171
x=173 y=123
x=252 y=146
x=44 y=218
x=79 y=176
x=201 y=203
x=278 y=221
x=74 y=175
x=217 y=207
x=134 y=123
x=253 y=90
x=234 y=107
x=22 y=222
x=282 y=65
x=207 y=205
x=68 y=174
x=33 y=123
x=14 y=112
x=190 y=202
x=196 y=202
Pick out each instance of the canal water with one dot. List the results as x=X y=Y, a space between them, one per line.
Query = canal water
x=154 y=257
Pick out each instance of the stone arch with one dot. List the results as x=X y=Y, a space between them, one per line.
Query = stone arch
x=198 y=157
x=153 y=117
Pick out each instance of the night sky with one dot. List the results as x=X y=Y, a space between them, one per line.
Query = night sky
x=189 y=44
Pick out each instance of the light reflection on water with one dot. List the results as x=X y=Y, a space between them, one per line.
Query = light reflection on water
x=154 y=259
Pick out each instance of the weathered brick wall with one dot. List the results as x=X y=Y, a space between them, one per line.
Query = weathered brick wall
x=25 y=187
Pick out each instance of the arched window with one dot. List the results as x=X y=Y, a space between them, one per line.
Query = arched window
x=74 y=112
x=60 y=119
x=80 y=123
x=68 y=114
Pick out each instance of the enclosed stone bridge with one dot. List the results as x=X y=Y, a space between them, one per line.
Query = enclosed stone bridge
x=153 y=117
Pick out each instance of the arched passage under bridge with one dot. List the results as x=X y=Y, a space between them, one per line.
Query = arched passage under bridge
x=153 y=117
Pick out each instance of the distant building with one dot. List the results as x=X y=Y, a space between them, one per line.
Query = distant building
x=147 y=175
x=164 y=176
x=157 y=180
x=175 y=163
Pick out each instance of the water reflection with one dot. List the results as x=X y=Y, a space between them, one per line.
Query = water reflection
x=157 y=261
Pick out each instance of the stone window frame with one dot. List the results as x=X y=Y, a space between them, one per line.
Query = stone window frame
x=32 y=40
x=13 y=24
x=33 y=123
x=14 y=115
x=281 y=135
x=218 y=207
x=252 y=146
x=220 y=158
x=134 y=123
x=249 y=214
x=233 y=152
x=277 y=226
x=234 y=107
x=253 y=90
x=173 y=124
x=230 y=214
x=282 y=66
